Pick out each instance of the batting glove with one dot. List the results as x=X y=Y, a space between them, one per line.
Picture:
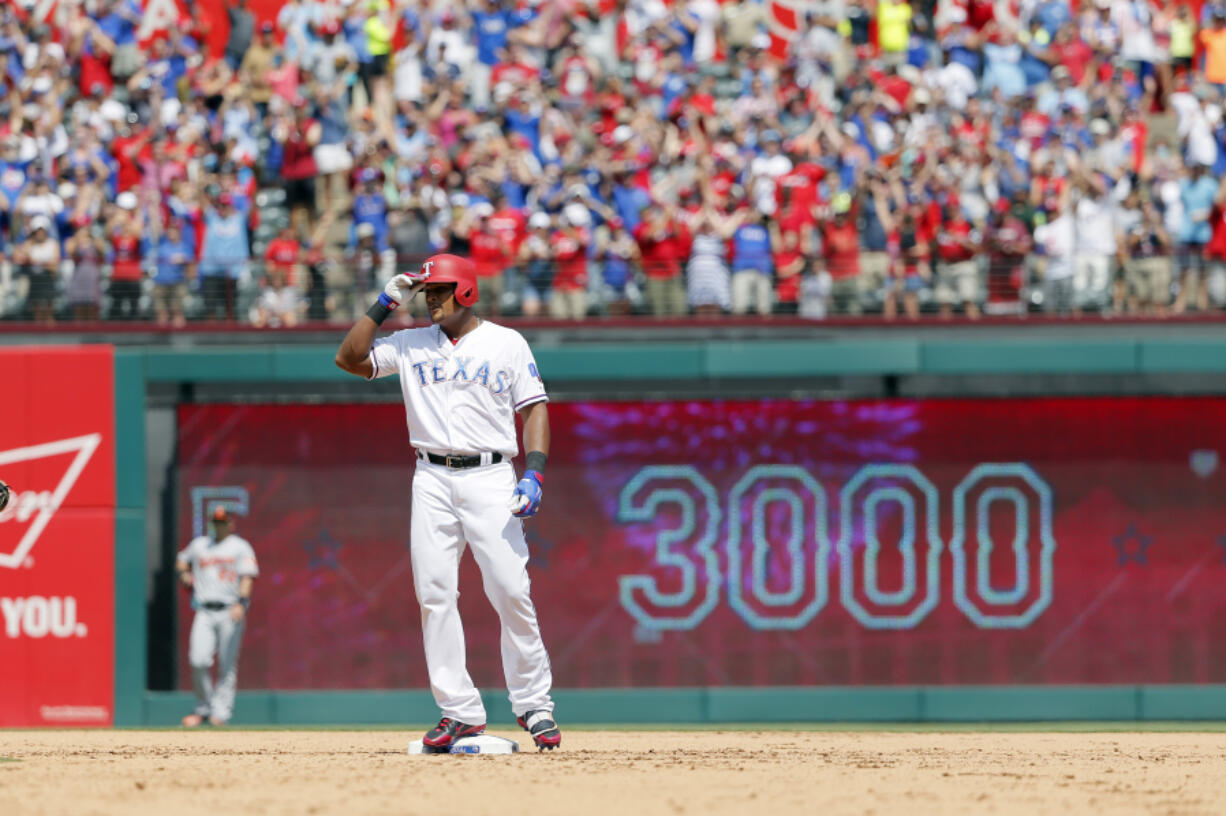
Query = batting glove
x=526 y=499
x=403 y=287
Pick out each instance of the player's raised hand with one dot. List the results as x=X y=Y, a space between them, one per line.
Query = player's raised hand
x=403 y=287
x=526 y=499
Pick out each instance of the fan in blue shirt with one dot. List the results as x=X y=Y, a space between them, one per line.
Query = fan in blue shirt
x=491 y=25
x=1197 y=194
x=369 y=207
x=522 y=119
x=173 y=253
x=751 y=247
x=119 y=24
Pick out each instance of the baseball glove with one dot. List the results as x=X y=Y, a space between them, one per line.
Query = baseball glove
x=4 y=495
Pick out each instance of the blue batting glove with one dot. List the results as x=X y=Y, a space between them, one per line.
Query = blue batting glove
x=526 y=499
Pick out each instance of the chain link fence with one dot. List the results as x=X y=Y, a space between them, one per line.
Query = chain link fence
x=336 y=284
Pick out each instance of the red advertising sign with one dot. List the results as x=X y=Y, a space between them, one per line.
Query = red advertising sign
x=750 y=543
x=57 y=536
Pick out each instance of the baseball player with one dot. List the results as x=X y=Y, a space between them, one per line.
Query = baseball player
x=464 y=379
x=220 y=569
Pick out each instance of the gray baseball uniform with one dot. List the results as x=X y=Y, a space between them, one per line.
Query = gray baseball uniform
x=217 y=567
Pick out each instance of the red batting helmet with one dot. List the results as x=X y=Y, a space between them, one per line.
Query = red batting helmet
x=457 y=270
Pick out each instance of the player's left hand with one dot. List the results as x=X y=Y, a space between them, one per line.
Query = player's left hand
x=526 y=499
x=237 y=612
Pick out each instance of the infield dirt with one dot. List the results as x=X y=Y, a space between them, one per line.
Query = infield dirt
x=246 y=773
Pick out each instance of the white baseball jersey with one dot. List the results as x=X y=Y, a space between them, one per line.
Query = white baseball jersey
x=217 y=567
x=461 y=397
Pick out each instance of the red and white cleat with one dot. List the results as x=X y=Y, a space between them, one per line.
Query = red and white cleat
x=545 y=732
x=448 y=731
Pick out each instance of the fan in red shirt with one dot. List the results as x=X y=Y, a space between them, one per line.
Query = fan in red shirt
x=1134 y=132
x=1071 y=52
x=841 y=247
x=893 y=84
x=576 y=75
x=507 y=223
x=279 y=303
x=126 y=272
x=702 y=100
x=1034 y=125
x=1009 y=244
x=723 y=179
x=664 y=242
x=569 y=242
x=799 y=221
x=954 y=243
x=1046 y=186
x=795 y=213
x=958 y=281
x=125 y=263
x=130 y=148
x=611 y=101
x=281 y=259
x=789 y=263
x=802 y=180
x=517 y=70
x=490 y=254
x=93 y=56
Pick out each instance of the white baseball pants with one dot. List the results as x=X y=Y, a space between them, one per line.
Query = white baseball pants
x=452 y=509
x=214 y=632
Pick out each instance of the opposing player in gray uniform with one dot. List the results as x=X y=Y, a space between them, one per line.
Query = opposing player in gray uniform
x=220 y=569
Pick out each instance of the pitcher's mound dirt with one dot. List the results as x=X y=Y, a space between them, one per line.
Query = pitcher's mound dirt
x=625 y=773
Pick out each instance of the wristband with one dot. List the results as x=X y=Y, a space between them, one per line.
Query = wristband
x=381 y=308
x=535 y=460
x=245 y=603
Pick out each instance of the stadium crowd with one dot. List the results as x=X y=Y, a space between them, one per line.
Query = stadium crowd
x=609 y=157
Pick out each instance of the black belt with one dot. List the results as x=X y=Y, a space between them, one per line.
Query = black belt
x=458 y=462
x=215 y=606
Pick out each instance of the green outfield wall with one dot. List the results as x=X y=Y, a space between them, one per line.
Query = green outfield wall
x=138 y=369
x=717 y=359
x=711 y=706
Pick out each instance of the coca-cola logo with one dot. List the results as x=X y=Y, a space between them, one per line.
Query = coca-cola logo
x=37 y=504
